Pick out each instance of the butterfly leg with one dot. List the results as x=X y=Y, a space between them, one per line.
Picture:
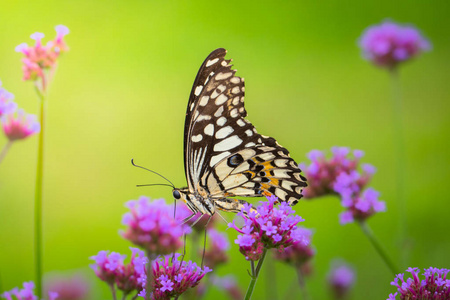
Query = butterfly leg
x=232 y=205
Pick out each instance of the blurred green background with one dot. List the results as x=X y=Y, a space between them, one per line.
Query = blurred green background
x=121 y=93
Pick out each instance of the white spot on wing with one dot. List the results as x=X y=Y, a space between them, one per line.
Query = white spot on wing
x=228 y=143
x=218 y=112
x=221 y=121
x=203 y=101
x=203 y=117
x=222 y=76
x=240 y=123
x=236 y=101
x=234 y=113
x=235 y=90
x=249 y=132
x=221 y=99
x=198 y=90
x=235 y=80
x=211 y=62
x=216 y=158
x=251 y=144
x=197 y=138
x=209 y=129
x=224 y=132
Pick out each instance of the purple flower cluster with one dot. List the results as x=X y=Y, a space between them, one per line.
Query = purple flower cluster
x=268 y=227
x=127 y=277
x=6 y=104
x=26 y=293
x=216 y=253
x=152 y=226
x=435 y=286
x=39 y=57
x=388 y=44
x=173 y=277
x=341 y=278
x=340 y=175
x=299 y=252
x=322 y=172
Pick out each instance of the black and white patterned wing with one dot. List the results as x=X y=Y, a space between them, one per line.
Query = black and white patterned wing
x=223 y=152
x=215 y=98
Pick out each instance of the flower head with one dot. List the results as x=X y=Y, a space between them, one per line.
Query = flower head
x=110 y=268
x=341 y=278
x=267 y=227
x=340 y=175
x=19 y=125
x=152 y=226
x=388 y=44
x=7 y=106
x=217 y=251
x=26 y=293
x=172 y=277
x=434 y=286
x=299 y=252
x=75 y=287
x=39 y=58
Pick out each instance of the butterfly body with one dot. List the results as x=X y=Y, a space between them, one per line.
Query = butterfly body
x=224 y=156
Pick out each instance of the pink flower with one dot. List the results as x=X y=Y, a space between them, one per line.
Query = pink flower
x=388 y=44
x=172 y=277
x=26 y=293
x=267 y=227
x=127 y=277
x=39 y=58
x=75 y=287
x=7 y=106
x=152 y=226
x=19 y=125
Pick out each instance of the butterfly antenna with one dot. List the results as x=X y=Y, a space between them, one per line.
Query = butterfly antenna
x=132 y=162
x=140 y=185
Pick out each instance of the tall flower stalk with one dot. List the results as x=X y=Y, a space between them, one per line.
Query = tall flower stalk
x=39 y=65
x=388 y=45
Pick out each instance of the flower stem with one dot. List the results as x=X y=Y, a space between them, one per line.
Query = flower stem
x=113 y=291
x=301 y=282
x=148 y=288
x=255 y=274
x=38 y=197
x=376 y=244
x=271 y=283
x=5 y=150
x=400 y=155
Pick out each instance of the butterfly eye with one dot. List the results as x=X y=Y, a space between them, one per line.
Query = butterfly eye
x=176 y=194
x=235 y=160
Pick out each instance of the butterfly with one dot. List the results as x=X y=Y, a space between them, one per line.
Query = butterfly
x=224 y=156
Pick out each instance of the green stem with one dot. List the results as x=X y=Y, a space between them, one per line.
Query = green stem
x=376 y=244
x=5 y=150
x=38 y=198
x=148 y=288
x=255 y=274
x=301 y=282
x=271 y=283
x=400 y=155
x=113 y=291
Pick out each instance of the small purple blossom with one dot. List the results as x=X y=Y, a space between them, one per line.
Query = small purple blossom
x=111 y=269
x=341 y=278
x=435 y=286
x=7 y=106
x=268 y=227
x=173 y=277
x=216 y=253
x=299 y=252
x=19 y=125
x=151 y=225
x=26 y=293
x=388 y=44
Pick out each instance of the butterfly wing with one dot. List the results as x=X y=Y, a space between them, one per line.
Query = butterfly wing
x=224 y=154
